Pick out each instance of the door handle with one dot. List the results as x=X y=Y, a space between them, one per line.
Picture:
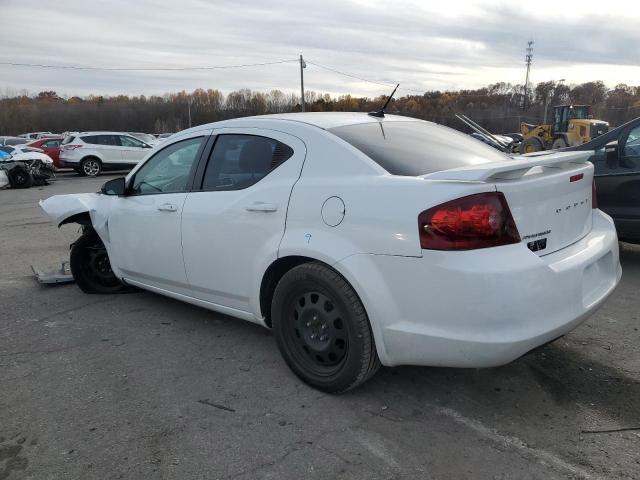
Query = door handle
x=167 y=207
x=262 y=207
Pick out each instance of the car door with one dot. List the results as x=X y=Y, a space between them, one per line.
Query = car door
x=106 y=146
x=133 y=150
x=236 y=219
x=52 y=148
x=618 y=182
x=144 y=225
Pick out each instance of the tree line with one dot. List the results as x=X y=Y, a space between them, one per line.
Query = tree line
x=499 y=107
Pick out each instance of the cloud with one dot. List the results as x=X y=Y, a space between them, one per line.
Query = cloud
x=424 y=46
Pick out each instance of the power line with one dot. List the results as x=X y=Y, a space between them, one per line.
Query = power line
x=145 y=69
x=339 y=72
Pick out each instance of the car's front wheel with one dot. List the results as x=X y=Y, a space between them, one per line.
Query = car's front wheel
x=322 y=329
x=20 y=178
x=90 y=167
x=90 y=266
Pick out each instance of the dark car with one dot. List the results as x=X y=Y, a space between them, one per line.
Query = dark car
x=617 y=175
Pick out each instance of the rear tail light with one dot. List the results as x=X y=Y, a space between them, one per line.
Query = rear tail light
x=594 y=194
x=71 y=147
x=475 y=221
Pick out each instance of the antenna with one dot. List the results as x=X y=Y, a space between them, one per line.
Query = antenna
x=380 y=113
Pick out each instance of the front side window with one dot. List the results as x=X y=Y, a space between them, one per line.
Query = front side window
x=127 y=141
x=168 y=170
x=238 y=161
x=51 y=144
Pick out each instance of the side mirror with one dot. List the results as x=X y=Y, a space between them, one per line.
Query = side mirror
x=114 y=187
x=611 y=154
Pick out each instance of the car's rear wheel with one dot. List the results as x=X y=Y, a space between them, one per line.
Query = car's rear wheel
x=90 y=266
x=322 y=329
x=20 y=178
x=91 y=167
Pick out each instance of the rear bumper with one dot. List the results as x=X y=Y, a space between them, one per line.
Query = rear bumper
x=66 y=162
x=486 y=307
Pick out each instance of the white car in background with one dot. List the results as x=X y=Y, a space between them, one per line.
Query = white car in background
x=22 y=153
x=34 y=135
x=89 y=153
x=359 y=240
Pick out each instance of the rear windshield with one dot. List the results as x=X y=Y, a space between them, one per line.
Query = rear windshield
x=68 y=139
x=416 y=148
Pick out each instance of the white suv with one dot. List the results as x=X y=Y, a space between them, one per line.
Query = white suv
x=91 y=152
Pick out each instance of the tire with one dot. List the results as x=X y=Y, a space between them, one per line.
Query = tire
x=20 y=178
x=322 y=329
x=559 y=143
x=90 y=266
x=531 y=144
x=91 y=167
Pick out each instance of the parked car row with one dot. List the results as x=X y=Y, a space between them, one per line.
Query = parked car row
x=100 y=150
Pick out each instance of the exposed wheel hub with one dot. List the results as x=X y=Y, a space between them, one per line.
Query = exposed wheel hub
x=315 y=329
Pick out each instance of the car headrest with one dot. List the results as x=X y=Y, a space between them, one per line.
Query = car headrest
x=255 y=157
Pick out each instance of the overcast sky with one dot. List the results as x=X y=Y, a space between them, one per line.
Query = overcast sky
x=424 y=45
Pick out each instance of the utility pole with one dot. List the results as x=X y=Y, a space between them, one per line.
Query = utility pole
x=189 y=109
x=528 y=57
x=303 y=65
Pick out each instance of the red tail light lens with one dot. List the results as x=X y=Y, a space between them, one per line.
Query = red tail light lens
x=594 y=194
x=475 y=221
x=71 y=147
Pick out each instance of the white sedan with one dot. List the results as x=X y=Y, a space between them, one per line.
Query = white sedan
x=358 y=240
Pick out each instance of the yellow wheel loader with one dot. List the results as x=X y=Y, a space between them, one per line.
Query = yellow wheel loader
x=572 y=126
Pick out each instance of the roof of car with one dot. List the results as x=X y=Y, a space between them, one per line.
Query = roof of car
x=327 y=120
x=100 y=132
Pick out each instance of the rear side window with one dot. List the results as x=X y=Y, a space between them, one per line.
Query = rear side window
x=239 y=161
x=416 y=148
x=110 y=140
x=51 y=144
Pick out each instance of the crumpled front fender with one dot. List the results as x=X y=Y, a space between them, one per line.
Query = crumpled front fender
x=60 y=208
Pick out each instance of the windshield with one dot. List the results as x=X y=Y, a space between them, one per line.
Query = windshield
x=579 y=113
x=7 y=150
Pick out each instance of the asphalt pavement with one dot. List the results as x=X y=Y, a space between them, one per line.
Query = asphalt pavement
x=140 y=386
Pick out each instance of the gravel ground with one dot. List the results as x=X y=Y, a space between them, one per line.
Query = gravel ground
x=142 y=386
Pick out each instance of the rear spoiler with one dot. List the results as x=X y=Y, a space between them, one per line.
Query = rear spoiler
x=510 y=169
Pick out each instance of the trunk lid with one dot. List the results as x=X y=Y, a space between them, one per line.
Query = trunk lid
x=549 y=195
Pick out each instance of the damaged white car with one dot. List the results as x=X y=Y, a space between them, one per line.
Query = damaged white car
x=360 y=240
x=22 y=166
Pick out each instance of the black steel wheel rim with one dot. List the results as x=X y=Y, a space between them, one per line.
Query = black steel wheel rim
x=316 y=332
x=96 y=266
